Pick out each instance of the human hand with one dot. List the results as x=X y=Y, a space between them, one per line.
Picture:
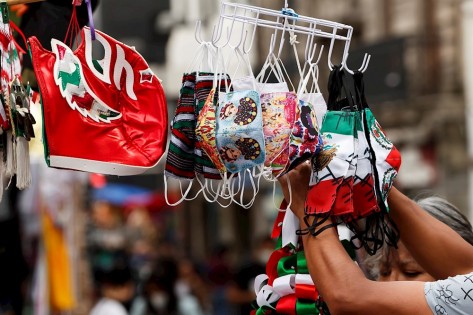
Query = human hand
x=299 y=184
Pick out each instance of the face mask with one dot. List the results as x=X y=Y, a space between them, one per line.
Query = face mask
x=204 y=84
x=385 y=158
x=278 y=121
x=240 y=139
x=159 y=301
x=333 y=168
x=180 y=156
x=305 y=140
x=205 y=132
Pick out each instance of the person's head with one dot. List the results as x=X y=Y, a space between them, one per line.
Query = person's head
x=392 y=264
x=105 y=215
x=263 y=250
x=116 y=284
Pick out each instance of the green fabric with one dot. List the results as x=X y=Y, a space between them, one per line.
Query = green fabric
x=70 y=78
x=341 y=122
x=302 y=263
x=306 y=307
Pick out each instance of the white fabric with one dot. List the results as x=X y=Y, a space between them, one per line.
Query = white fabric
x=317 y=100
x=290 y=225
x=108 y=307
x=450 y=296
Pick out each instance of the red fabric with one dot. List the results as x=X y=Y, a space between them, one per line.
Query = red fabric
x=306 y=292
x=138 y=138
x=287 y=305
x=272 y=264
x=344 y=202
x=321 y=196
x=277 y=228
x=364 y=198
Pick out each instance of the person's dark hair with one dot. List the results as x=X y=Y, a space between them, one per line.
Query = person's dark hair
x=114 y=277
x=440 y=209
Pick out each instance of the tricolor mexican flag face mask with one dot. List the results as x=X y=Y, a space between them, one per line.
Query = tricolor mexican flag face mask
x=106 y=116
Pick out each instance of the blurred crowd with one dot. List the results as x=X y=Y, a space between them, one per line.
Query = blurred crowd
x=136 y=272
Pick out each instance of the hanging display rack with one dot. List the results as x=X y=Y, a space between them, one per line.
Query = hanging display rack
x=285 y=20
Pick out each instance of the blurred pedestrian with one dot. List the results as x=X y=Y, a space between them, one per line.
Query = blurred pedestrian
x=241 y=292
x=220 y=275
x=116 y=292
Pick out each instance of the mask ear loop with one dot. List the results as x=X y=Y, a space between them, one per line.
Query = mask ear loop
x=195 y=62
x=242 y=193
x=315 y=79
x=290 y=196
x=183 y=195
x=227 y=188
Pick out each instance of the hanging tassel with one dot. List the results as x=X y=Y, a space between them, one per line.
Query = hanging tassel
x=23 y=171
x=10 y=167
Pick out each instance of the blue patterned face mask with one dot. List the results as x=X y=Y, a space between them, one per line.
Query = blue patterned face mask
x=240 y=139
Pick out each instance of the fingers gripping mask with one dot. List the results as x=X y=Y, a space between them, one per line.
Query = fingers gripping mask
x=107 y=116
x=278 y=120
x=240 y=139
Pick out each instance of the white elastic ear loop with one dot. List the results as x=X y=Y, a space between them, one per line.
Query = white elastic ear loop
x=183 y=196
x=255 y=188
x=290 y=196
x=275 y=69
x=242 y=193
x=198 y=54
x=231 y=186
x=303 y=84
x=247 y=61
x=210 y=187
x=222 y=187
x=241 y=189
x=261 y=74
x=204 y=189
x=293 y=41
x=315 y=79
x=280 y=64
x=238 y=54
x=196 y=194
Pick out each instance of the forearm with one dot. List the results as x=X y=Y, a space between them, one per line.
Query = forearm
x=336 y=276
x=346 y=290
x=441 y=251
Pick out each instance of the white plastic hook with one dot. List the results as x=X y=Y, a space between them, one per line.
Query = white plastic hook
x=245 y=50
x=197 y=31
x=363 y=67
x=330 y=51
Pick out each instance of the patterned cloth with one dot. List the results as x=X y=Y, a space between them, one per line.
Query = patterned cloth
x=180 y=157
x=240 y=139
x=450 y=296
x=279 y=110
x=204 y=83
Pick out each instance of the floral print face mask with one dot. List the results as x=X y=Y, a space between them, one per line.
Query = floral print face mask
x=279 y=110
